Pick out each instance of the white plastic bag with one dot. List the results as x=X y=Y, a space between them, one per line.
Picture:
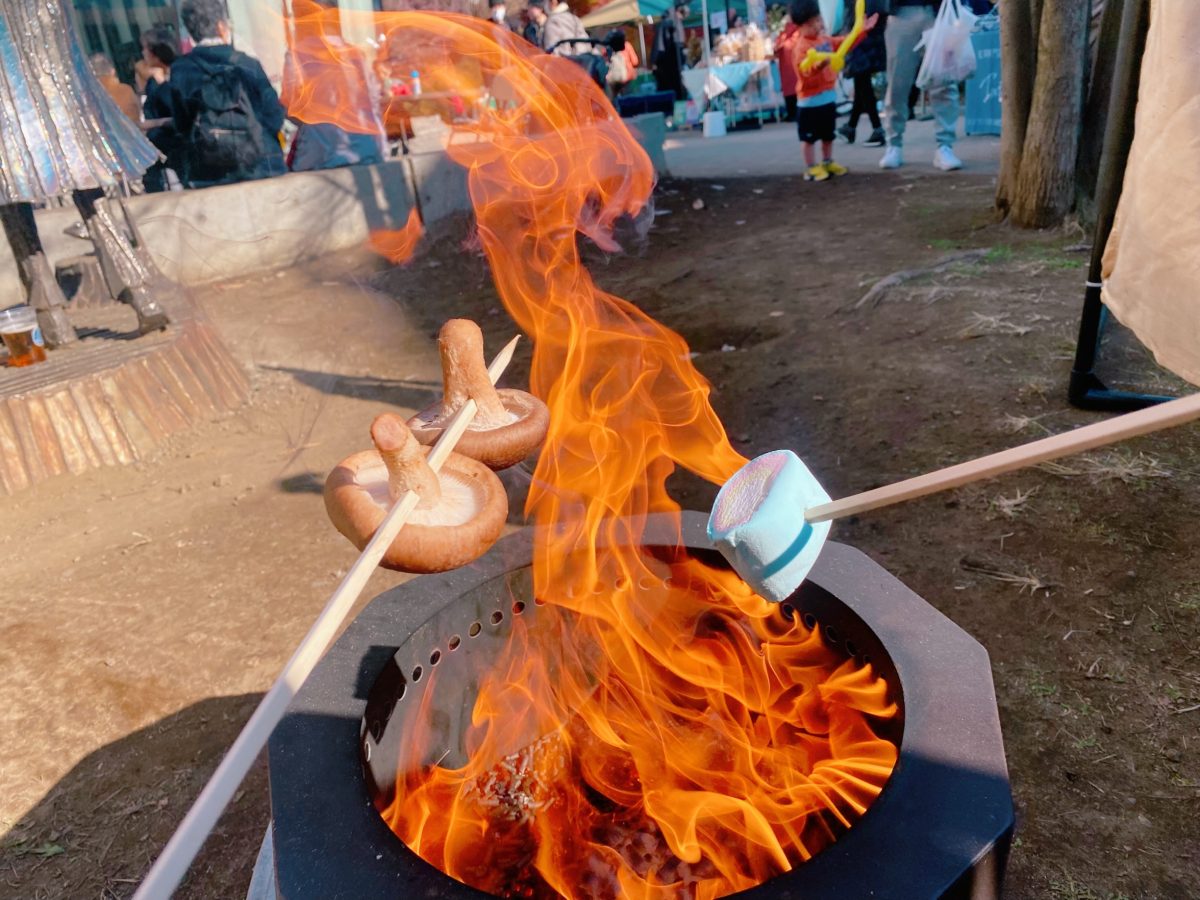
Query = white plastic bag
x=949 y=54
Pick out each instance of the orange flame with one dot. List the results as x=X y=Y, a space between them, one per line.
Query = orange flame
x=399 y=244
x=659 y=730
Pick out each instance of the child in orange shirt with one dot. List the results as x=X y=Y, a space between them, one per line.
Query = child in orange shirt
x=816 y=100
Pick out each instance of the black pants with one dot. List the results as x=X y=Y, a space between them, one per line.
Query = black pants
x=864 y=101
x=789 y=103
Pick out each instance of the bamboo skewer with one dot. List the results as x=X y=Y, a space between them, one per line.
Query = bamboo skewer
x=1166 y=415
x=172 y=864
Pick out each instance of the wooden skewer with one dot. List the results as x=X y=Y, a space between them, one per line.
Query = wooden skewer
x=1166 y=415
x=170 y=867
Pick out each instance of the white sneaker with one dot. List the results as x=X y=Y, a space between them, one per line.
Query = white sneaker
x=945 y=159
x=893 y=158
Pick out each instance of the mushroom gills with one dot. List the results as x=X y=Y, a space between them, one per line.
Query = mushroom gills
x=459 y=502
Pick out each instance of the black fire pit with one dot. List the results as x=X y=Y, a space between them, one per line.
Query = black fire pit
x=940 y=828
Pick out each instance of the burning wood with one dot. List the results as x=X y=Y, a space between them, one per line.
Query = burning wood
x=605 y=781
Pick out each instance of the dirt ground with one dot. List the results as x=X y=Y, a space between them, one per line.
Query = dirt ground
x=146 y=608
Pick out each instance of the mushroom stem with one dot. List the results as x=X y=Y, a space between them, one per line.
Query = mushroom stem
x=465 y=377
x=405 y=461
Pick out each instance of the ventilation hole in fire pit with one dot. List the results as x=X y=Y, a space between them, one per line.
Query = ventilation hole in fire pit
x=866 y=658
x=789 y=611
x=417 y=674
x=454 y=641
x=852 y=648
x=497 y=617
x=539 y=601
x=474 y=629
x=832 y=635
x=810 y=621
x=518 y=607
x=435 y=657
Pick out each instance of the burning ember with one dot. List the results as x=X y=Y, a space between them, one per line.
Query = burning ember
x=660 y=730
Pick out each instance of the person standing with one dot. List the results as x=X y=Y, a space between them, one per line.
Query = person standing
x=862 y=63
x=622 y=64
x=122 y=94
x=816 y=98
x=226 y=112
x=531 y=24
x=787 y=67
x=906 y=25
x=498 y=13
x=558 y=29
x=152 y=72
x=667 y=55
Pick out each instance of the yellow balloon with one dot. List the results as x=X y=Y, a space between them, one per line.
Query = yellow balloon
x=837 y=59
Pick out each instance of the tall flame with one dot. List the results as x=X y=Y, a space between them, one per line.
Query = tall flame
x=663 y=731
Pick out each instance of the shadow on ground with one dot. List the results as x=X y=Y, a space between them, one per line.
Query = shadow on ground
x=401 y=392
x=96 y=832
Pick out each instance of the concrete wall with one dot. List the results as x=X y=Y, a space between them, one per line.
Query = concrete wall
x=236 y=230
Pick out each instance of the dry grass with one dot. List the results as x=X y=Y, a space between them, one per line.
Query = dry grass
x=1113 y=465
x=982 y=324
x=1010 y=424
x=1024 y=581
x=1011 y=507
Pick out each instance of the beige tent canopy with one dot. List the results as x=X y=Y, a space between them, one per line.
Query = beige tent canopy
x=1152 y=258
x=618 y=12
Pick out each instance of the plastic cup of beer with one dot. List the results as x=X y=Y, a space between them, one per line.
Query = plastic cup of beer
x=22 y=336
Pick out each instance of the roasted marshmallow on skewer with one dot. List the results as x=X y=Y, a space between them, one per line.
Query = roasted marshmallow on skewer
x=510 y=424
x=771 y=518
x=757 y=522
x=460 y=515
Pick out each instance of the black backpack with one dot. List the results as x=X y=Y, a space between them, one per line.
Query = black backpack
x=226 y=140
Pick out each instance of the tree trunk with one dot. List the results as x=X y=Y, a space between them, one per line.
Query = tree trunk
x=1045 y=188
x=1095 y=109
x=1018 y=58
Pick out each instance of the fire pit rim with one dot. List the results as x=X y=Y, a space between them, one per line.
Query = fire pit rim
x=951 y=777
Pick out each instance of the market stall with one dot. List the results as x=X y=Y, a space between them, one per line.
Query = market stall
x=742 y=90
x=738 y=77
x=629 y=12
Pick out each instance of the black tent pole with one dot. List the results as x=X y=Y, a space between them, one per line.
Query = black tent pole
x=1086 y=390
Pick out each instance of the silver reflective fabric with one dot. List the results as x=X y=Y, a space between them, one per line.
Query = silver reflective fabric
x=59 y=129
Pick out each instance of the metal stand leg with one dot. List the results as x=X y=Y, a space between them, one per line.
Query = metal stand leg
x=42 y=291
x=127 y=272
x=1086 y=389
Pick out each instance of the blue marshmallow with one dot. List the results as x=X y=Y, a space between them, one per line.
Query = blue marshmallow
x=757 y=522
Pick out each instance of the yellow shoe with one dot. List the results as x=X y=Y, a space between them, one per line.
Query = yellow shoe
x=816 y=173
x=834 y=169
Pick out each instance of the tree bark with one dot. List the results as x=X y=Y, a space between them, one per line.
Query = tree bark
x=1045 y=187
x=1018 y=57
x=1095 y=109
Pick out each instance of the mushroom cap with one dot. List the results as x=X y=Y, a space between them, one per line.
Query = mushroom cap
x=356 y=499
x=496 y=448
